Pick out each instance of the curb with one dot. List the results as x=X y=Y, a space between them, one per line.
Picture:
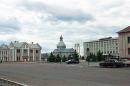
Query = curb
x=7 y=82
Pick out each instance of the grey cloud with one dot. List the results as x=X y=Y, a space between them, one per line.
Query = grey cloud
x=10 y=25
x=58 y=13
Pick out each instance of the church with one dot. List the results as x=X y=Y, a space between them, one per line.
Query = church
x=62 y=50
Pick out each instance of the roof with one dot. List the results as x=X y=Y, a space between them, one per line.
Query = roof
x=127 y=29
x=67 y=50
x=3 y=46
x=61 y=44
x=34 y=46
x=20 y=44
x=103 y=39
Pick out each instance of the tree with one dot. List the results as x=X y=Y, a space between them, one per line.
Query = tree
x=58 y=58
x=100 y=56
x=92 y=57
x=70 y=57
x=75 y=56
x=64 y=59
x=82 y=57
x=51 y=58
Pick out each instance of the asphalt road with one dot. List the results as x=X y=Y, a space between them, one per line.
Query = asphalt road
x=51 y=74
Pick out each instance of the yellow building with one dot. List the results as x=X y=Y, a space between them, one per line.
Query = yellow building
x=124 y=42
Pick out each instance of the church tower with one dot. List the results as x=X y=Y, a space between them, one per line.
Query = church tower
x=61 y=44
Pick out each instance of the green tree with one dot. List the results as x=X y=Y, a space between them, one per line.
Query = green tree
x=82 y=57
x=91 y=57
x=58 y=58
x=64 y=59
x=100 y=56
x=75 y=56
x=51 y=58
x=70 y=57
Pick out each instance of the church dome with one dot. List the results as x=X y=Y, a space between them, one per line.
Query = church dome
x=61 y=44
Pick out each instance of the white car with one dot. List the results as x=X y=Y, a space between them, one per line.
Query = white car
x=126 y=62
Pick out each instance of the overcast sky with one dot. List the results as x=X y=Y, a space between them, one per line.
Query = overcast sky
x=43 y=21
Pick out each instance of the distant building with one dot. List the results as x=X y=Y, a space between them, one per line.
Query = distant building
x=20 y=51
x=5 y=53
x=124 y=42
x=62 y=50
x=108 y=46
x=44 y=56
x=77 y=48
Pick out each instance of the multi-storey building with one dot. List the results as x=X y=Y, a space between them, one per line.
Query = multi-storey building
x=77 y=48
x=124 y=42
x=20 y=51
x=108 y=46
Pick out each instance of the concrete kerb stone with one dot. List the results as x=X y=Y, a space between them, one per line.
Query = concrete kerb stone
x=7 y=82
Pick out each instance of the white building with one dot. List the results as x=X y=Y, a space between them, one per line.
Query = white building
x=108 y=46
x=4 y=53
x=77 y=48
x=62 y=50
x=20 y=51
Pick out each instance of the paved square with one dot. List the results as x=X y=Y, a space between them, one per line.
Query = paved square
x=52 y=74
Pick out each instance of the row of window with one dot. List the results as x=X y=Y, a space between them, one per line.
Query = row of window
x=110 y=52
x=25 y=51
x=105 y=52
x=128 y=39
x=30 y=58
x=4 y=58
x=3 y=52
x=97 y=47
x=105 y=43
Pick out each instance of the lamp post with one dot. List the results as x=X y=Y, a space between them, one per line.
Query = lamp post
x=88 y=55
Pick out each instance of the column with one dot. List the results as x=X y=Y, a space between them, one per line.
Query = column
x=21 y=53
x=28 y=55
x=33 y=55
x=0 y=55
x=40 y=55
x=15 y=55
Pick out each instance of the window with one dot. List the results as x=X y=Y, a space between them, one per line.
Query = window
x=128 y=39
x=36 y=51
x=113 y=51
x=129 y=51
x=18 y=50
x=87 y=49
x=31 y=51
x=25 y=51
x=18 y=58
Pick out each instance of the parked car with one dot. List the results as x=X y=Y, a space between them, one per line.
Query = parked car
x=72 y=61
x=126 y=62
x=112 y=63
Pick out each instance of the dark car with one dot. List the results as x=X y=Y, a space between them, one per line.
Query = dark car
x=113 y=63
x=72 y=61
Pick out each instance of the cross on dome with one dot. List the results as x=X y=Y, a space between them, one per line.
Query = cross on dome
x=61 y=38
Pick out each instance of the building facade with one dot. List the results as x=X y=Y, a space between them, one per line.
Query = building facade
x=20 y=51
x=108 y=46
x=62 y=50
x=77 y=48
x=4 y=53
x=124 y=42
